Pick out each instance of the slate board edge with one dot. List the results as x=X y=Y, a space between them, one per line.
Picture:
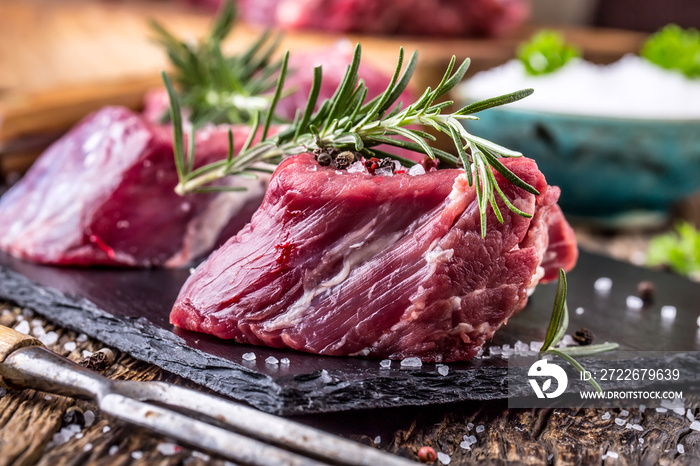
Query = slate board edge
x=149 y=343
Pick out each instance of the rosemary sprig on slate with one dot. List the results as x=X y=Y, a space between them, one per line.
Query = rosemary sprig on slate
x=218 y=88
x=557 y=329
x=347 y=121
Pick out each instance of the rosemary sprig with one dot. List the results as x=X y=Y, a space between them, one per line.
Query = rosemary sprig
x=347 y=121
x=556 y=330
x=218 y=88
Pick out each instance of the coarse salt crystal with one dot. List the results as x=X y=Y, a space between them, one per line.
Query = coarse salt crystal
x=168 y=449
x=87 y=447
x=606 y=416
x=679 y=411
x=444 y=458
x=79 y=435
x=536 y=346
x=680 y=448
x=385 y=363
x=619 y=422
x=48 y=397
x=89 y=417
x=38 y=331
x=661 y=410
x=637 y=427
x=87 y=354
x=201 y=456
x=23 y=327
x=113 y=450
x=521 y=347
x=641 y=440
x=73 y=428
x=137 y=455
x=579 y=311
x=602 y=285
x=612 y=454
x=70 y=346
x=689 y=414
x=325 y=377
x=411 y=362
x=249 y=357
x=470 y=426
x=272 y=360
x=695 y=425
x=642 y=408
x=37 y=323
x=634 y=302
x=495 y=351
x=480 y=429
x=568 y=340
x=443 y=370
x=285 y=361
x=357 y=167
x=624 y=413
x=49 y=339
x=668 y=312
x=384 y=171
x=377 y=440
x=417 y=169
x=82 y=338
x=106 y=429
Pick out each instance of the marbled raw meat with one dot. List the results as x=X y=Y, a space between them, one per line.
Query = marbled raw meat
x=340 y=263
x=438 y=18
x=104 y=195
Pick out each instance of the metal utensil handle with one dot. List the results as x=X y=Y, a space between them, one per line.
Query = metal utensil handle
x=10 y=341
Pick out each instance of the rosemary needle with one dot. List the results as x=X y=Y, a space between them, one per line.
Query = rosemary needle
x=346 y=121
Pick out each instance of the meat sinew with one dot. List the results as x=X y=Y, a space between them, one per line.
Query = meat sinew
x=342 y=263
x=104 y=194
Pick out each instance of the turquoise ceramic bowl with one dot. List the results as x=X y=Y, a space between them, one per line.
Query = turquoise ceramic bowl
x=608 y=169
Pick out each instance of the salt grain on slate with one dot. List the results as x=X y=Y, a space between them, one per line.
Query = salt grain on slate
x=443 y=370
x=689 y=414
x=470 y=426
x=680 y=448
x=661 y=410
x=624 y=413
x=603 y=285
x=377 y=440
x=619 y=422
x=480 y=429
x=272 y=360
x=642 y=408
x=695 y=425
x=637 y=427
x=70 y=346
x=285 y=361
x=385 y=363
x=668 y=312
x=249 y=356
x=411 y=362
x=82 y=338
x=89 y=418
x=23 y=327
x=634 y=302
x=606 y=416
x=444 y=458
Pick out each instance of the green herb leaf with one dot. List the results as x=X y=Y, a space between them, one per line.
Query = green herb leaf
x=679 y=250
x=566 y=357
x=545 y=52
x=217 y=88
x=675 y=48
x=346 y=121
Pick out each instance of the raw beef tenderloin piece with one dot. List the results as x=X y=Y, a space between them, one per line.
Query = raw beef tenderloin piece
x=341 y=263
x=438 y=18
x=104 y=195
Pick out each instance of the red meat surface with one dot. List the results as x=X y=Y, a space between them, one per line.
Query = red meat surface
x=340 y=263
x=104 y=195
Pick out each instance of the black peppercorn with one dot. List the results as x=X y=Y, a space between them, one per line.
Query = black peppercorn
x=584 y=336
x=343 y=160
x=74 y=415
x=646 y=290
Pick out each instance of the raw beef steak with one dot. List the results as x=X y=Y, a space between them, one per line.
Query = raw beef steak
x=342 y=263
x=439 y=18
x=104 y=195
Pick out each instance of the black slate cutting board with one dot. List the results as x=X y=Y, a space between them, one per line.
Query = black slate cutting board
x=128 y=310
